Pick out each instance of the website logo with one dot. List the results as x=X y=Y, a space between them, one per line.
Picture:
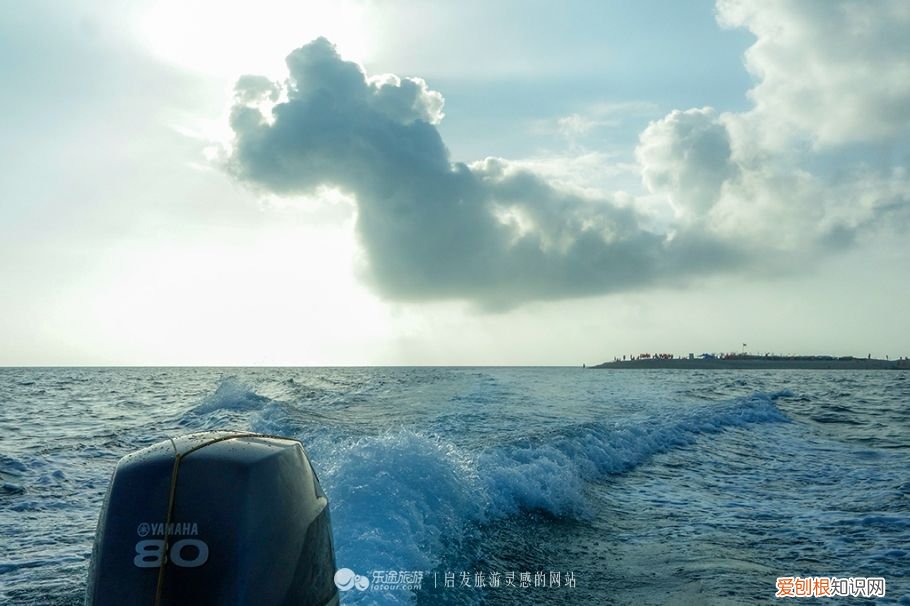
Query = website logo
x=346 y=579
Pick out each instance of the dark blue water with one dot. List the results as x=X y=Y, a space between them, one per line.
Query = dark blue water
x=647 y=487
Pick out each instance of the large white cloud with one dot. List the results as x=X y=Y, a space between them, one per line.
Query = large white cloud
x=793 y=173
x=492 y=232
x=834 y=71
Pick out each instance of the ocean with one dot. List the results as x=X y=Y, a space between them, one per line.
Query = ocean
x=503 y=485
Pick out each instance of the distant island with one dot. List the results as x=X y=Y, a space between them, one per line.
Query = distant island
x=753 y=362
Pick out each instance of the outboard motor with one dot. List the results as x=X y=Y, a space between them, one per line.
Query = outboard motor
x=215 y=518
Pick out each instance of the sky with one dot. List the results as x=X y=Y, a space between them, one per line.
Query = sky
x=437 y=183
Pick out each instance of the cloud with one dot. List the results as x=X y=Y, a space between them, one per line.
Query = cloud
x=820 y=161
x=834 y=72
x=768 y=190
x=765 y=200
x=596 y=118
x=490 y=232
x=687 y=156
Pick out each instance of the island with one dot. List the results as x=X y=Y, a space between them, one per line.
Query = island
x=753 y=362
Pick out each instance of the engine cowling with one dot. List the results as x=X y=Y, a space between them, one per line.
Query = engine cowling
x=215 y=518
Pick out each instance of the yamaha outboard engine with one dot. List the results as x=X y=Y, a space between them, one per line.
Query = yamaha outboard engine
x=216 y=518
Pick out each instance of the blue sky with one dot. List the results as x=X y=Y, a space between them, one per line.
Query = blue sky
x=451 y=183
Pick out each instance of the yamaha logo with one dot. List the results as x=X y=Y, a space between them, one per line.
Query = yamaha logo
x=174 y=529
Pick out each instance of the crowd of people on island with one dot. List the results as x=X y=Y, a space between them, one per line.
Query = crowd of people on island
x=648 y=356
x=668 y=356
x=737 y=356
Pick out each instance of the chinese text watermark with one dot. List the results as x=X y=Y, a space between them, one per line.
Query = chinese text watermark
x=830 y=587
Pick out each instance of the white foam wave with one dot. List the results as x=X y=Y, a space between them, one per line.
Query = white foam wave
x=402 y=500
x=231 y=395
x=548 y=473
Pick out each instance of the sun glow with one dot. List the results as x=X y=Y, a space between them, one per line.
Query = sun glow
x=225 y=39
x=270 y=296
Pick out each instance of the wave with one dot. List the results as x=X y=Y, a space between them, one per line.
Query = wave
x=407 y=500
x=548 y=473
x=397 y=499
x=402 y=500
x=231 y=395
x=12 y=471
x=235 y=403
x=11 y=466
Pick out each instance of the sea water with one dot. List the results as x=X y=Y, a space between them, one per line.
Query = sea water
x=501 y=485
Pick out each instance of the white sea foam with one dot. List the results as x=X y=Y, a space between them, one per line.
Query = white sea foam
x=232 y=395
x=403 y=500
